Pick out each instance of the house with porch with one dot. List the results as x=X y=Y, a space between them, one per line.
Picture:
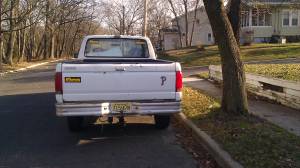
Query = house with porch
x=261 y=21
x=270 y=20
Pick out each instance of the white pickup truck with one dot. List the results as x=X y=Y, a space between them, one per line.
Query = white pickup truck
x=117 y=76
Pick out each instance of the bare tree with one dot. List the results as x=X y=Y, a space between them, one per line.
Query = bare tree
x=158 y=18
x=234 y=99
x=177 y=21
x=124 y=17
x=37 y=29
x=194 y=20
x=145 y=20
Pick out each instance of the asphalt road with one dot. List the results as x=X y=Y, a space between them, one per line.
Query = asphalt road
x=32 y=136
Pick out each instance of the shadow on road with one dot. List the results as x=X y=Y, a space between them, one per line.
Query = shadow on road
x=32 y=136
x=34 y=79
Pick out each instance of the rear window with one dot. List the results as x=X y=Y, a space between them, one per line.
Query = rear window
x=116 y=48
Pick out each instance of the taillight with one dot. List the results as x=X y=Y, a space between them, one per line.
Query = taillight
x=179 y=84
x=58 y=83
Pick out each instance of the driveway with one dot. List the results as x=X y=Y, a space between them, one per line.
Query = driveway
x=32 y=136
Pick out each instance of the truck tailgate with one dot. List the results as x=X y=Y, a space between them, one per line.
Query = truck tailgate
x=118 y=82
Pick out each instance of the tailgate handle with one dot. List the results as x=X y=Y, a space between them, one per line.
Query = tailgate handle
x=121 y=69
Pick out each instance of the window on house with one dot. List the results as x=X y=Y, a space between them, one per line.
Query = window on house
x=254 y=17
x=268 y=19
x=209 y=37
x=294 y=16
x=261 y=17
x=286 y=18
x=245 y=19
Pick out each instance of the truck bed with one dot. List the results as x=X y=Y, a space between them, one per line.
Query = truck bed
x=118 y=61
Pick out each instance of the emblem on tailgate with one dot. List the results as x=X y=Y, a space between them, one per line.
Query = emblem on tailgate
x=73 y=79
x=163 y=80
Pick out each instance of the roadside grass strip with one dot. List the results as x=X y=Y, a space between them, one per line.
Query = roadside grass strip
x=289 y=72
x=253 y=142
x=33 y=65
x=209 y=55
x=281 y=71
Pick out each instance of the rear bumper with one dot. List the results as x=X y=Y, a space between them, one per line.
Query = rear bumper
x=103 y=109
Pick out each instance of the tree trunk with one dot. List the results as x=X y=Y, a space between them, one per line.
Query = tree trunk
x=31 y=38
x=10 y=47
x=22 y=46
x=185 y=2
x=234 y=18
x=12 y=35
x=45 y=47
x=63 y=41
x=234 y=100
x=145 y=24
x=1 y=43
x=19 y=44
x=52 y=46
x=1 y=35
x=71 y=52
x=194 y=20
x=177 y=21
x=46 y=31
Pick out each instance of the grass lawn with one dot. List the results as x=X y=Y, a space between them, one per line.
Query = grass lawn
x=210 y=55
x=253 y=142
x=281 y=71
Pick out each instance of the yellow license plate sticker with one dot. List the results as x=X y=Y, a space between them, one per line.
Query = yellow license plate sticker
x=73 y=79
x=121 y=107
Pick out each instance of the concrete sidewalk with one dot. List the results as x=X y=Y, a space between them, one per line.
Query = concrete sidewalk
x=282 y=116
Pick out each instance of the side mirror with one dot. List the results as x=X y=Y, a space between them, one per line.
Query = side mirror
x=75 y=55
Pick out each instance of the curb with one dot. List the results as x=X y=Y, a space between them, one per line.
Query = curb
x=29 y=67
x=222 y=157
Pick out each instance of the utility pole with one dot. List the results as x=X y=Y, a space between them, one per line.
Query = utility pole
x=145 y=18
x=123 y=21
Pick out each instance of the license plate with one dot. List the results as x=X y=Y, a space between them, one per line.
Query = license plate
x=121 y=107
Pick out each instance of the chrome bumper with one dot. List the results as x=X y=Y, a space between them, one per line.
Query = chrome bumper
x=103 y=109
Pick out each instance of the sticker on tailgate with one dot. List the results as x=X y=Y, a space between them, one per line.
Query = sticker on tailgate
x=72 y=79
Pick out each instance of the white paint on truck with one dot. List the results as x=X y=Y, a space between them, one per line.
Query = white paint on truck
x=137 y=82
x=89 y=86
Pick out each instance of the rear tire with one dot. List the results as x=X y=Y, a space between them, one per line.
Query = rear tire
x=75 y=124
x=162 y=121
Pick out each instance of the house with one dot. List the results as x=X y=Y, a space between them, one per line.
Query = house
x=169 y=39
x=261 y=21
x=267 y=20
x=202 y=34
